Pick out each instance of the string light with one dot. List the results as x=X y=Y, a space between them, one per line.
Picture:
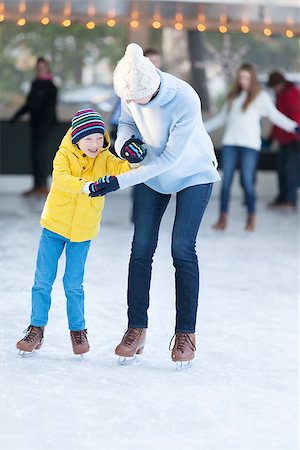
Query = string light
x=111 y=23
x=134 y=23
x=90 y=25
x=267 y=31
x=66 y=23
x=223 y=29
x=2 y=17
x=45 y=20
x=178 y=26
x=245 y=29
x=289 y=33
x=21 y=22
x=156 y=24
x=201 y=25
x=223 y=24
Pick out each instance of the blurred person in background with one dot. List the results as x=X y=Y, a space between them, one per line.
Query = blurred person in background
x=245 y=105
x=288 y=167
x=41 y=105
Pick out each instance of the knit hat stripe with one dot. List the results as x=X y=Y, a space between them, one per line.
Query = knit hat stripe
x=86 y=132
x=84 y=116
x=85 y=122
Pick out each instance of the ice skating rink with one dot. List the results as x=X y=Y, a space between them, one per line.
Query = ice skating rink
x=241 y=392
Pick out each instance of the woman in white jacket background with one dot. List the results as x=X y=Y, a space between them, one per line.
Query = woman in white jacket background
x=241 y=114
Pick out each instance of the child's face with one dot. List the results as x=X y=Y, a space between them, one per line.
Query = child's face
x=91 y=144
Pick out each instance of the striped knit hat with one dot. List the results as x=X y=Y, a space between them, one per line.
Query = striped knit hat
x=85 y=122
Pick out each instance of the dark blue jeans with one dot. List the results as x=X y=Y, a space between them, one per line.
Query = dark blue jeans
x=292 y=170
x=148 y=209
x=232 y=158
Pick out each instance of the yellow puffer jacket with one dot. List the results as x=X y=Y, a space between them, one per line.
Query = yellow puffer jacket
x=67 y=210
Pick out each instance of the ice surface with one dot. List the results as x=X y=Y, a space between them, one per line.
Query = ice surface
x=241 y=392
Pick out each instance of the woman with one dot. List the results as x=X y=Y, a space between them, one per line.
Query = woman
x=166 y=113
x=41 y=105
x=245 y=105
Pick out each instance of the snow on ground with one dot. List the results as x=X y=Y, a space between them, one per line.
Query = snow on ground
x=240 y=392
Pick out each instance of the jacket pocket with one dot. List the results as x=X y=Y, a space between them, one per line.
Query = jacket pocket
x=97 y=203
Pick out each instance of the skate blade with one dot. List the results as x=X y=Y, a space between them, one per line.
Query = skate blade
x=183 y=365
x=127 y=360
x=24 y=354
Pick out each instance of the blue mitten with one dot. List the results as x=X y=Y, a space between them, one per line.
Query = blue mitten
x=297 y=129
x=133 y=150
x=104 y=186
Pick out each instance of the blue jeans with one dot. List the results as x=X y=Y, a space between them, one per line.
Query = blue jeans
x=50 y=250
x=292 y=170
x=246 y=158
x=148 y=209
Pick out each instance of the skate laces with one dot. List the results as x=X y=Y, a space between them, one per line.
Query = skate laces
x=131 y=336
x=78 y=337
x=31 y=334
x=182 y=340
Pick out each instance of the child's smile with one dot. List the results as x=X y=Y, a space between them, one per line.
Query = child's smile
x=91 y=144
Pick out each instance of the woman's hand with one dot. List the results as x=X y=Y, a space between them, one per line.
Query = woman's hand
x=133 y=150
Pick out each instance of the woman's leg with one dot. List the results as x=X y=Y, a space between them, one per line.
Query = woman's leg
x=249 y=158
x=50 y=250
x=76 y=254
x=148 y=209
x=190 y=207
x=229 y=158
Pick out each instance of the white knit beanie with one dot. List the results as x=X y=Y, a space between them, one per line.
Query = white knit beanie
x=135 y=76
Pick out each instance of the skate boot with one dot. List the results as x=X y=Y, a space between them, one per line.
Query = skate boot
x=132 y=344
x=33 y=340
x=80 y=342
x=183 y=350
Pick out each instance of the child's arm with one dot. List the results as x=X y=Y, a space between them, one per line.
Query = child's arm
x=116 y=166
x=61 y=175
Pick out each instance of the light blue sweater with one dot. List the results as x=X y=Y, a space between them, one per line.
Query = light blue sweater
x=180 y=152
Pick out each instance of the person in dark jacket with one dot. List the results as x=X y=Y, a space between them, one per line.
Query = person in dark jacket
x=287 y=102
x=41 y=105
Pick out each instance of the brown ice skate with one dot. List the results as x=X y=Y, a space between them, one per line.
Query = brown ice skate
x=250 y=224
x=221 y=224
x=80 y=342
x=132 y=344
x=32 y=341
x=183 y=350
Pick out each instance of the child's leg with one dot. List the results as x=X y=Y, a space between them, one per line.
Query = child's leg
x=50 y=249
x=76 y=254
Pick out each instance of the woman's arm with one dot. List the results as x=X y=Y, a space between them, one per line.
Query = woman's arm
x=217 y=121
x=275 y=116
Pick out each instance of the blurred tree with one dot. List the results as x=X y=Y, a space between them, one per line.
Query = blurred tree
x=67 y=49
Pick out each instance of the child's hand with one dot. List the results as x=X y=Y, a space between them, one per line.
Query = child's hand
x=104 y=186
x=133 y=150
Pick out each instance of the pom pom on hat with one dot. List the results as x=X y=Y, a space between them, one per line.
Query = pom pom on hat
x=85 y=122
x=135 y=76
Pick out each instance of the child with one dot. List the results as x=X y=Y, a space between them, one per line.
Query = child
x=70 y=219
